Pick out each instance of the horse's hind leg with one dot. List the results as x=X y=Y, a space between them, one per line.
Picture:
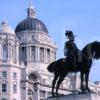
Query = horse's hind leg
x=53 y=83
x=61 y=78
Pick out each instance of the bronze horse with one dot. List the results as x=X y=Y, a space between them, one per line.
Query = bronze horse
x=60 y=69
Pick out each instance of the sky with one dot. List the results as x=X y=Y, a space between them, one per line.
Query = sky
x=80 y=16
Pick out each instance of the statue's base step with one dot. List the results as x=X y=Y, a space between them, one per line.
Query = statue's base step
x=88 y=96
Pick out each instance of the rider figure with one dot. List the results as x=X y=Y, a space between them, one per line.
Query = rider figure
x=70 y=49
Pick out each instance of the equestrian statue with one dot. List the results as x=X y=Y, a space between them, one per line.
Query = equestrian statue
x=75 y=61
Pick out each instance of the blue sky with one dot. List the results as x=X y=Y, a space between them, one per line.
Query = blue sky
x=80 y=16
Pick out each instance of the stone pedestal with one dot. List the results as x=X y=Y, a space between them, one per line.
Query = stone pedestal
x=88 y=96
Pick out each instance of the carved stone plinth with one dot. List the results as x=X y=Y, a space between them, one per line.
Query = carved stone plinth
x=88 y=96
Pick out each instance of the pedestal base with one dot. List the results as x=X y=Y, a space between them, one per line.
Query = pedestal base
x=88 y=96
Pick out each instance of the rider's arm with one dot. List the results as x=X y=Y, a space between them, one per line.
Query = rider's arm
x=65 y=49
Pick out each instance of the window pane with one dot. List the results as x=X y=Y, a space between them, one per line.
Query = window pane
x=4 y=88
x=14 y=88
x=4 y=74
x=14 y=75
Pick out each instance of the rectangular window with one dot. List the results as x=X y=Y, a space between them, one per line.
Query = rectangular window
x=4 y=87
x=14 y=75
x=4 y=74
x=14 y=88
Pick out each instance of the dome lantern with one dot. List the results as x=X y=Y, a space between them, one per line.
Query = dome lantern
x=31 y=11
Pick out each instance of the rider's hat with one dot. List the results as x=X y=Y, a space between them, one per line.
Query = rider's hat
x=69 y=34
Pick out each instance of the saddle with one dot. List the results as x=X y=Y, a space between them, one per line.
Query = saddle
x=69 y=62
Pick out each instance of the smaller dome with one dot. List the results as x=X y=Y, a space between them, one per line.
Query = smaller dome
x=5 y=28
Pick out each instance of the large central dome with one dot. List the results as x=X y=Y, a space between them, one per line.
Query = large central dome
x=31 y=22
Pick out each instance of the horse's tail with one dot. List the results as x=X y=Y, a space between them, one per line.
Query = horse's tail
x=50 y=67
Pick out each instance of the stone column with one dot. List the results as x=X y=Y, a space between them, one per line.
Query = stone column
x=46 y=95
x=50 y=55
x=37 y=97
x=46 y=55
x=53 y=55
x=30 y=53
x=0 y=51
x=12 y=51
x=20 y=55
x=17 y=52
x=38 y=54
x=9 y=51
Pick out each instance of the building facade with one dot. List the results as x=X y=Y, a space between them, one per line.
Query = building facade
x=24 y=57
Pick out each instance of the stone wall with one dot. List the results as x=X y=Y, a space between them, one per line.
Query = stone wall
x=77 y=97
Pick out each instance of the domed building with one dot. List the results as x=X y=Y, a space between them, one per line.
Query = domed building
x=36 y=50
x=39 y=45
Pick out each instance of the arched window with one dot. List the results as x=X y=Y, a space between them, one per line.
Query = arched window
x=32 y=77
x=5 y=52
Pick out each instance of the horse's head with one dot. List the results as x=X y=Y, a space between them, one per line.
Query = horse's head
x=96 y=49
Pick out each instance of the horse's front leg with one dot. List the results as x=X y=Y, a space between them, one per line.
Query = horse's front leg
x=61 y=78
x=82 y=80
x=86 y=80
x=53 y=83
